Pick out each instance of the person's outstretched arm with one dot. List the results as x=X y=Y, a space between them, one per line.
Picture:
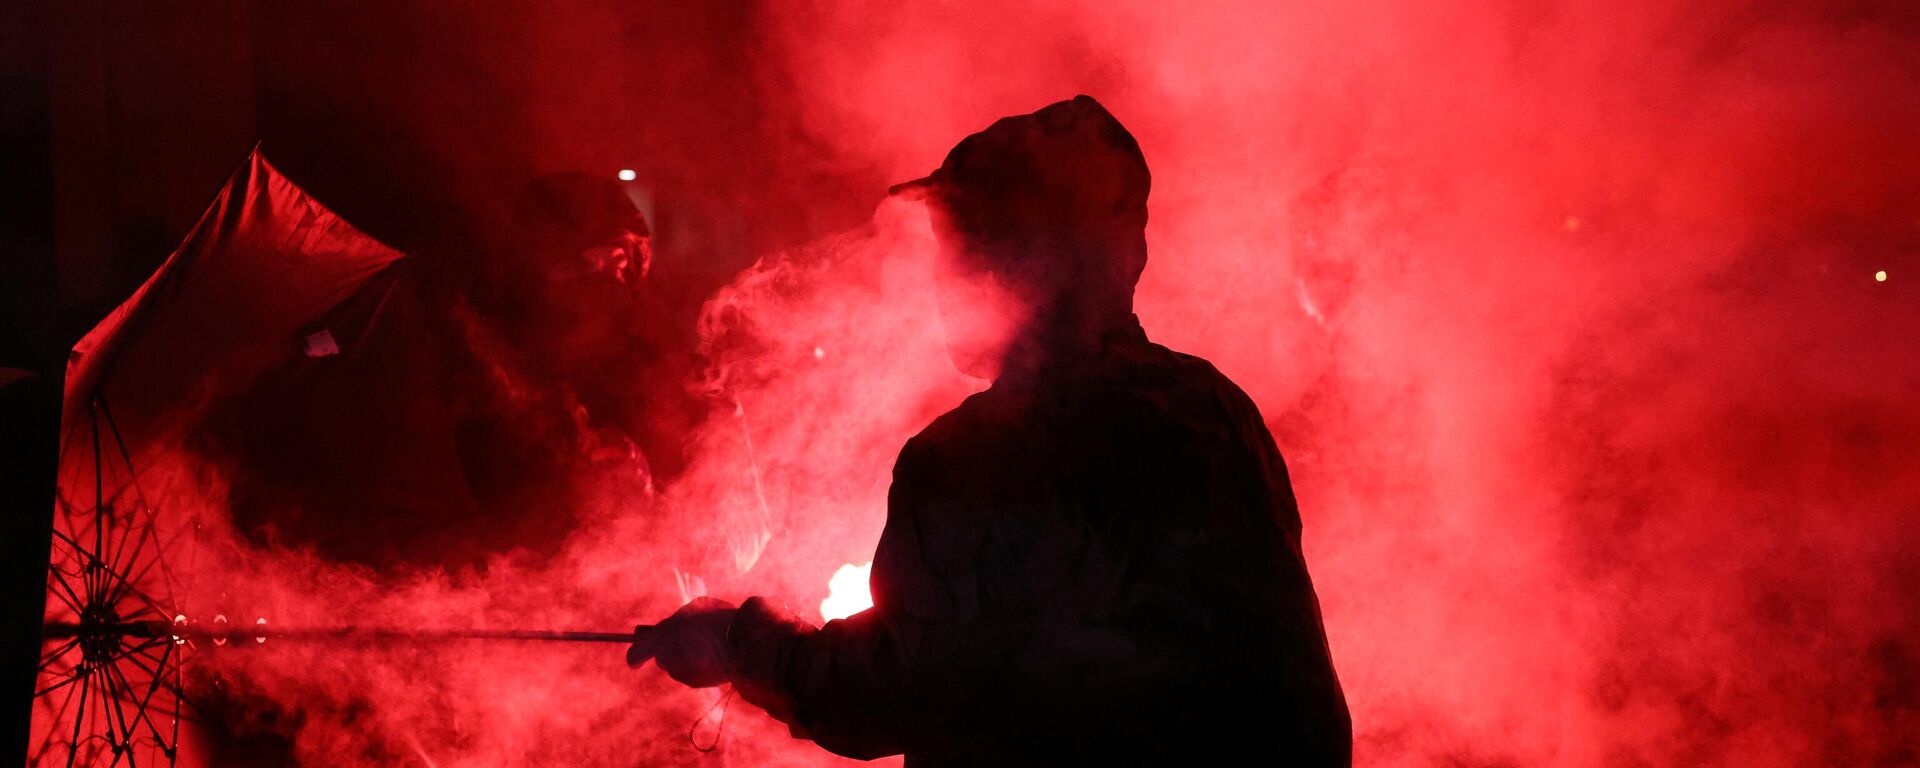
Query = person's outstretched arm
x=942 y=662
x=915 y=671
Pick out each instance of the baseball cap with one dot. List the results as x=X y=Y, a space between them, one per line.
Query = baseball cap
x=1069 y=166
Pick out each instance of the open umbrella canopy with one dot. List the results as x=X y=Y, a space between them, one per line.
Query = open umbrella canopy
x=248 y=290
x=264 y=279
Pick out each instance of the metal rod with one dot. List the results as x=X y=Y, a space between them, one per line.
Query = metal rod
x=393 y=633
x=161 y=629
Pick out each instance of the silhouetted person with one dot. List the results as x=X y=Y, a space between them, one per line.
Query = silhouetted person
x=476 y=407
x=565 y=311
x=1094 y=562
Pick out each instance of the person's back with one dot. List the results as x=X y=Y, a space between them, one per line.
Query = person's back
x=1096 y=561
x=1122 y=526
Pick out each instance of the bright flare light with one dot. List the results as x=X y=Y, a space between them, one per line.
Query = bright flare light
x=1880 y=276
x=847 y=592
x=627 y=174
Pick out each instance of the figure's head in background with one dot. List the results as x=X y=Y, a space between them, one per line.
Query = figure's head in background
x=575 y=226
x=573 y=300
x=1042 y=222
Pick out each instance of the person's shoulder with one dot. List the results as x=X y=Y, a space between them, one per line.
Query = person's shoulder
x=1181 y=383
x=1187 y=365
x=1205 y=376
x=947 y=429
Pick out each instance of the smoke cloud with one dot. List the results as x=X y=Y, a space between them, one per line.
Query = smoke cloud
x=1565 y=318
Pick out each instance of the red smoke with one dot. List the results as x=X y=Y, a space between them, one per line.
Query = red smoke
x=1565 y=319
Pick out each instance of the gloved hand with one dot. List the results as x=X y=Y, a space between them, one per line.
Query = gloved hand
x=691 y=645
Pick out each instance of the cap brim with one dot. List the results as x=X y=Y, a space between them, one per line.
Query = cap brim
x=918 y=189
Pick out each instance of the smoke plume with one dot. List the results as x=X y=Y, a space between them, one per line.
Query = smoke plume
x=1564 y=316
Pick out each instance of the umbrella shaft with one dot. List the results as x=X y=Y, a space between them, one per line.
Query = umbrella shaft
x=143 y=629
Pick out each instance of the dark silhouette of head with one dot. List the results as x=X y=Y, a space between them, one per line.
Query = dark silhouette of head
x=579 y=223
x=1042 y=224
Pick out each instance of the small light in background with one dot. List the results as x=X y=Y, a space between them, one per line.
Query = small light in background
x=819 y=353
x=627 y=174
x=1880 y=276
x=1572 y=223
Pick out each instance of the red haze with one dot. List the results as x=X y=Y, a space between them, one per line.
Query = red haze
x=1565 y=318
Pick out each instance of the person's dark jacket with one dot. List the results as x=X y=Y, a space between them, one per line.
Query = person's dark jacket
x=1095 y=563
